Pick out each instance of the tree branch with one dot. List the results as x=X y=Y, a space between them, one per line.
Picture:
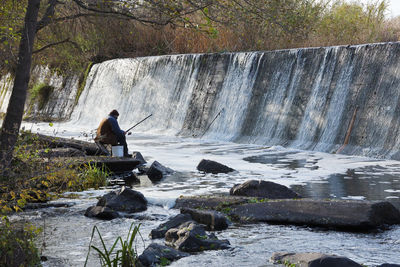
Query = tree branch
x=55 y=44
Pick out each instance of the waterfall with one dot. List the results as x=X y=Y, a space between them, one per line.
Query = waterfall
x=302 y=98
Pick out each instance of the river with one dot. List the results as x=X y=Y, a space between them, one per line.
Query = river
x=67 y=232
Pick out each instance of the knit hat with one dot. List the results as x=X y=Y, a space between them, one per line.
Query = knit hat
x=114 y=112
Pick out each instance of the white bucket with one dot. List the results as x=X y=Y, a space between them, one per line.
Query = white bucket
x=117 y=151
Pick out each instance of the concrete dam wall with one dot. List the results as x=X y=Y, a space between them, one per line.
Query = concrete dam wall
x=311 y=98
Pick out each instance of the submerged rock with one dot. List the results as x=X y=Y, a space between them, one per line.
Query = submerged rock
x=191 y=237
x=125 y=200
x=209 y=166
x=215 y=221
x=174 y=222
x=160 y=255
x=312 y=260
x=157 y=171
x=264 y=189
x=100 y=212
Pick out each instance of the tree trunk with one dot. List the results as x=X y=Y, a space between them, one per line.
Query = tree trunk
x=15 y=110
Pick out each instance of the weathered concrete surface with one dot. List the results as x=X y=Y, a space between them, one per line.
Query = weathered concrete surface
x=343 y=214
x=312 y=260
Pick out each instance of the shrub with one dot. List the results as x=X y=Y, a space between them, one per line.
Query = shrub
x=17 y=246
x=93 y=176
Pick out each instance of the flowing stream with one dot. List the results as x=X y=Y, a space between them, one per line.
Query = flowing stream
x=67 y=231
x=279 y=116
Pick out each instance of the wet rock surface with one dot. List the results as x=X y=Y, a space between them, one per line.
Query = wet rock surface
x=264 y=189
x=192 y=237
x=160 y=255
x=210 y=166
x=312 y=260
x=125 y=200
x=348 y=215
x=157 y=171
x=215 y=221
x=100 y=212
x=173 y=222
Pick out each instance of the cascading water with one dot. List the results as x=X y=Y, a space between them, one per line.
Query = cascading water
x=302 y=98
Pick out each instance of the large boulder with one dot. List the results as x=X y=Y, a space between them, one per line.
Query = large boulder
x=312 y=260
x=174 y=222
x=125 y=200
x=192 y=237
x=345 y=214
x=160 y=255
x=349 y=215
x=157 y=171
x=264 y=189
x=209 y=166
x=215 y=221
x=103 y=213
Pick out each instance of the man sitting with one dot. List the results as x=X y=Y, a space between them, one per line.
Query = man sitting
x=109 y=132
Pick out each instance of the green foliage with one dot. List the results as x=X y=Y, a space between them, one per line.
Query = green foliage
x=350 y=23
x=124 y=256
x=93 y=176
x=17 y=247
x=40 y=93
x=164 y=261
x=34 y=179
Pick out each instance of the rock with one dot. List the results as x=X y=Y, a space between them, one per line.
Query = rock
x=61 y=152
x=209 y=166
x=174 y=222
x=138 y=156
x=157 y=171
x=159 y=255
x=349 y=215
x=191 y=237
x=389 y=265
x=264 y=189
x=131 y=179
x=125 y=200
x=104 y=213
x=215 y=221
x=344 y=214
x=312 y=260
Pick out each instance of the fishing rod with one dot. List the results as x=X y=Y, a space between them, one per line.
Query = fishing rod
x=208 y=127
x=139 y=123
